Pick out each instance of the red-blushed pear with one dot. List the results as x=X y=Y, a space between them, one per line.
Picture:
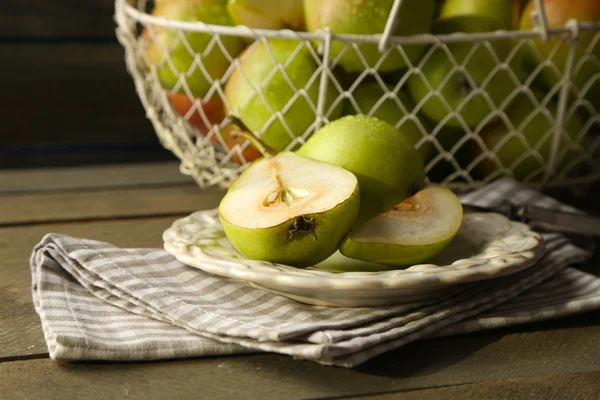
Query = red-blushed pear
x=282 y=69
x=517 y=10
x=166 y=50
x=370 y=17
x=212 y=109
x=231 y=133
x=410 y=233
x=586 y=71
x=267 y=14
x=235 y=140
x=290 y=209
x=525 y=148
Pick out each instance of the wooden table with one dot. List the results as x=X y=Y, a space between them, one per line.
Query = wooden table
x=131 y=205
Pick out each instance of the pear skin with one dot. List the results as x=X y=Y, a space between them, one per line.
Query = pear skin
x=384 y=160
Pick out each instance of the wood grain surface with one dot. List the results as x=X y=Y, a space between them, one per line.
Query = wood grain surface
x=584 y=386
x=29 y=180
x=555 y=347
x=262 y=376
x=553 y=359
x=20 y=333
x=105 y=204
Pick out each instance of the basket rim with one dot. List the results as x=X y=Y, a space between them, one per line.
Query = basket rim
x=127 y=16
x=125 y=8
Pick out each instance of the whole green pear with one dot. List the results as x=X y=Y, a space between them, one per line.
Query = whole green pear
x=370 y=17
x=384 y=160
x=554 y=52
x=267 y=14
x=522 y=143
x=498 y=12
x=473 y=91
x=369 y=98
x=280 y=68
x=169 y=53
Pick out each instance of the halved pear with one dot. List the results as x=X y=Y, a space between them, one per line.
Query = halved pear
x=290 y=209
x=410 y=233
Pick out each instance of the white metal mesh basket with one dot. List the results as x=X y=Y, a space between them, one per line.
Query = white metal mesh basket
x=459 y=149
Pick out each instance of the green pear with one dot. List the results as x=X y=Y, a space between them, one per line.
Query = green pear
x=170 y=54
x=445 y=168
x=369 y=98
x=258 y=68
x=370 y=17
x=410 y=233
x=524 y=146
x=267 y=14
x=464 y=91
x=289 y=209
x=472 y=16
x=384 y=160
x=554 y=52
x=498 y=12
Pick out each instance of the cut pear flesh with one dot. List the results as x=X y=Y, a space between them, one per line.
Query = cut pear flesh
x=290 y=209
x=410 y=233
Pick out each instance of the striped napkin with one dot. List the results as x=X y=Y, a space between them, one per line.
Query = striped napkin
x=100 y=302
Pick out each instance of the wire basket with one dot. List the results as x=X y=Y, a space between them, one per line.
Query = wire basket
x=502 y=124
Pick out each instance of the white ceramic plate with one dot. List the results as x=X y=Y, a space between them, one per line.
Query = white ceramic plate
x=487 y=246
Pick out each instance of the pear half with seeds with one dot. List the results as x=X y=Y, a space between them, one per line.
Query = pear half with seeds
x=290 y=209
x=410 y=233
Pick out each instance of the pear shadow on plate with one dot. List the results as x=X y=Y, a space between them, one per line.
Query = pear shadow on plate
x=463 y=246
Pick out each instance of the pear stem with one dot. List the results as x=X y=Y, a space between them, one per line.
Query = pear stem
x=244 y=132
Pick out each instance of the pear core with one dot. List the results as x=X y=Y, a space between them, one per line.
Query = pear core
x=277 y=189
x=432 y=215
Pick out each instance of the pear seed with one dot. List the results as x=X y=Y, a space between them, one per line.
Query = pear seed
x=272 y=197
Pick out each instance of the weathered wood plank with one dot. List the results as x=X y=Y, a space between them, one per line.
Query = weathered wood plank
x=571 y=386
x=19 y=325
x=555 y=347
x=91 y=177
x=20 y=332
x=558 y=347
x=117 y=203
x=256 y=377
x=56 y=19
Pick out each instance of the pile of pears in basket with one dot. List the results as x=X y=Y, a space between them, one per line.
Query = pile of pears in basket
x=299 y=208
x=491 y=104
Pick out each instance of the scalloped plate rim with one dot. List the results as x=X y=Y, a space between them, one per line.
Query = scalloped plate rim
x=265 y=273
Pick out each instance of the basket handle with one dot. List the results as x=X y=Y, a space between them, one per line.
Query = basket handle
x=390 y=26
x=539 y=18
x=538 y=15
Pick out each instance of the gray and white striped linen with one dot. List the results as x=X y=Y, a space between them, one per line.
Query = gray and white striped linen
x=97 y=301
